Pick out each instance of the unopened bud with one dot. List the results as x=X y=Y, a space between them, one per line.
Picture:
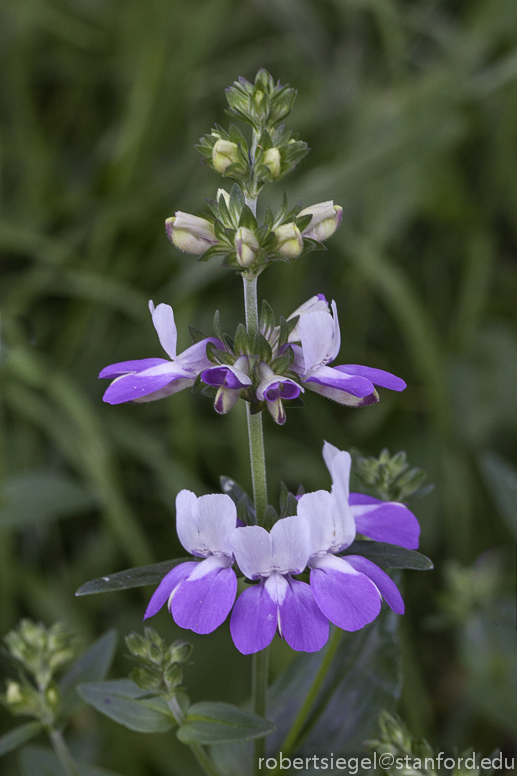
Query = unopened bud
x=272 y=161
x=224 y=194
x=326 y=218
x=289 y=241
x=180 y=651
x=14 y=693
x=224 y=154
x=190 y=234
x=246 y=246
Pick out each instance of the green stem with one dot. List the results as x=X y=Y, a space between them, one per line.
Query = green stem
x=197 y=750
x=291 y=740
x=63 y=753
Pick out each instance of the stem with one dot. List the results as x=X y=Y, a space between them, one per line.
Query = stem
x=290 y=742
x=197 y=750
x=63 y=753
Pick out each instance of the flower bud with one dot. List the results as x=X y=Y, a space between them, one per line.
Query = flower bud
x=224 y=153
x=272 y=160
x=224 y=194
x=246 y=245
x=326 y=218
x=289 y=241
x=190 y=234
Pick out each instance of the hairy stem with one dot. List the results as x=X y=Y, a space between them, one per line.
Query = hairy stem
x=197 y=750
x=63 y=753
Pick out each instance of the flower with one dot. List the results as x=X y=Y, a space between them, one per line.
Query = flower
x=191 y=234
x=383 y=521
x=230 y=380
x=277 y=602
x=224 y=153
x=246 y=246
x=148 y=379
x=318 y=332
x=289 y=241
x=200 y=595
x=347 y=590
x=273 y=388
x=326 y=217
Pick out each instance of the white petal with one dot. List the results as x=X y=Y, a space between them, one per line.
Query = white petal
x=163 y=320
x=316 y=335
x=276 y=587
x=336 y=335
x=291 y=544
x=252 y=547
x=332 y=528
x=204 y=524
x=186 y=519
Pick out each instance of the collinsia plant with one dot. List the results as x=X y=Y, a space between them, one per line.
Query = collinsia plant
x=318 y=568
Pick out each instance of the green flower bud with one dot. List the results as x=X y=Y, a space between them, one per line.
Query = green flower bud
x=224 y=154
x=246 y=246
x=224 y=194
x=190 y=234
x=289 y=241
x=326 y=218
x=180 y=651
x=272 y=161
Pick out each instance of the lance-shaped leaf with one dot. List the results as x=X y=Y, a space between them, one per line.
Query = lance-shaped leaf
x=136 y=577
x=390 y=556
x=19 y=736
x=122 y=700
x=92 y=666
x=220 y=723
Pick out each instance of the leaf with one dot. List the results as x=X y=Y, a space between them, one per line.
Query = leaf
x=92 y=666
x=19 y=736
x=41 y=495
x=40 y=761
x=135 y=577
x=121 y=700
x=390 y=556
x=501 y=481
x=218 y=723
x=236 y=493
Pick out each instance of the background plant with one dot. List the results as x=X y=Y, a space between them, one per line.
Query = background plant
x=410 y=111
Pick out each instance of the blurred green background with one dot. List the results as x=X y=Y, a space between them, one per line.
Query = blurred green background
x=411 y=111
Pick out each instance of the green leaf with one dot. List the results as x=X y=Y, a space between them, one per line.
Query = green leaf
x=19 y=736
x=247 y=219
x=41 y=495
x=219 y=723
x=390 y=556
x=501 y=481
x=40 y=761
x=121 y=700
x=236 y=493
x=92 y=666
x=136 y=577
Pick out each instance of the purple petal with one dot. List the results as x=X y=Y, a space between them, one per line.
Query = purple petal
x=171 y=580
x=348 y=598
x=282 y=389
x=254 y=620
x=302 y=623
x=327 y=375
x=376 y=376
x=163 y=320
x=123 y=367
x=382 y=581
x=343 y=397
x=225 y=376
x=204 y=602
x=385 y=521
x=134 y=386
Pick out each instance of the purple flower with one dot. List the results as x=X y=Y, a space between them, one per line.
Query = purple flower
x=384 y=521
x=273 y=388
x=200 y=595
x=229 y=380
x=318 y=332
x=148 y=379
x=277 y=602
x=347 y=590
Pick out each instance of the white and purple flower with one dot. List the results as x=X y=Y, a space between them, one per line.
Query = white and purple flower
x=229 y=380
x=148 y=379
x=273 y=389
x=277 y=602
x=201 y=595
x=383 y=521
x=318 y=332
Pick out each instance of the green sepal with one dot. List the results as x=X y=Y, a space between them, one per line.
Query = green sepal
x=262 y=348
x=215 y=355
x=218 y=723
x=244 y=513
x=236 y=493
x=270 y=517
x=291 y=323
x=210 y=391
x=248 y=220
x=257 y=406
x=242 y=342
x=285 y=331
x=214 y=250
x=267 y=318
x=139 y=576
x=236 y=136
x=216 y=325
x=281 y=364
x=198 y=384
x=236 y=203
x=196 y=335
x=303 y=221
x=213 y=204
x=293 y=403
x=288 y=502
x=390 y=556
x=226 y=219
x=269 y=218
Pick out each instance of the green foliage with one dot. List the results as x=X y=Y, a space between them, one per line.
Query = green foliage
x=390 y=476
x=126 y=703
x=221 y=723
